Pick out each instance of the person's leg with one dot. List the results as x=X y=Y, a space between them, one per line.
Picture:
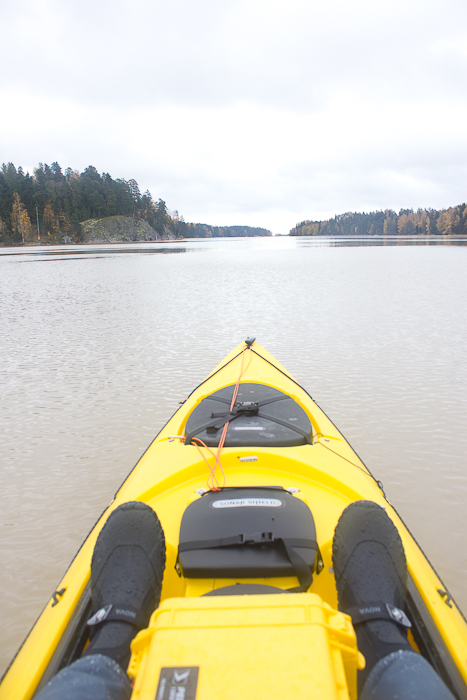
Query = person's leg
x=371 y=579
x=404 y=675
x=90 y=678
x=371 y=571
x=126 y=581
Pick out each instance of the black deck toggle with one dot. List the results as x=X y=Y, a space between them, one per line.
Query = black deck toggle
x=250 y=408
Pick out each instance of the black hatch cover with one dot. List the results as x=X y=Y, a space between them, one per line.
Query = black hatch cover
x=262 y=417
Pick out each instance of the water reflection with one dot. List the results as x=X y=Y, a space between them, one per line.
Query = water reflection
x=84 y=253
x=192 y=245
x=316 y=241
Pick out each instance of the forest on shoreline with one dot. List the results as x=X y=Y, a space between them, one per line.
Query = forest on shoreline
x=428 y=222
x=51 y=205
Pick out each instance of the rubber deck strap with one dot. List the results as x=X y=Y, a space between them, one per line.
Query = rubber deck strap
x=301 y=569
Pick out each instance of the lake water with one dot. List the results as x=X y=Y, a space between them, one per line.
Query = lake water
x=100 y=343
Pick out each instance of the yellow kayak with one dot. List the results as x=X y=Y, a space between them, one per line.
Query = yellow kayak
x=247 y=440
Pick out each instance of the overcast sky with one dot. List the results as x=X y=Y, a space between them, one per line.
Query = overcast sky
x=259 y=112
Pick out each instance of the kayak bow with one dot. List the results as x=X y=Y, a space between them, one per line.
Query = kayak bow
x=248 y=478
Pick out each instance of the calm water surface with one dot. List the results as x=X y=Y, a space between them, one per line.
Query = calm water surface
x=99 y=344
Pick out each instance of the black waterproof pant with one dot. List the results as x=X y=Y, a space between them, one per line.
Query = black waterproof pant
x=403 y=675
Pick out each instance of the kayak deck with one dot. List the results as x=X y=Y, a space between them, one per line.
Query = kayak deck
x=327 y=475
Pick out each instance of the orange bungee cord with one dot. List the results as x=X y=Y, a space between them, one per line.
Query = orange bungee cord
x=212 y=481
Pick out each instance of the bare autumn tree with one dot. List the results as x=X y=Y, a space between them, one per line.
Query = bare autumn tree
x=20 y=220
x=49 y=221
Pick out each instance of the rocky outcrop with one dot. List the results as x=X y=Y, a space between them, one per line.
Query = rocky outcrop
x=118 y=229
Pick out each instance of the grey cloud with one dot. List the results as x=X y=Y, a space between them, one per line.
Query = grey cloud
x=212 y=53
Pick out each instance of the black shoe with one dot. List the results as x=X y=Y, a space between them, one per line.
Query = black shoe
x=371 y=579
x=126 y=579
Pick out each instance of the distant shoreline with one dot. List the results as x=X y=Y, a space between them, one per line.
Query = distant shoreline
x=440 y=236
x=361 y=236
x=375 y=235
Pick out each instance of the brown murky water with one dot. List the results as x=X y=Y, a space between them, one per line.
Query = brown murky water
x=98 y=346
